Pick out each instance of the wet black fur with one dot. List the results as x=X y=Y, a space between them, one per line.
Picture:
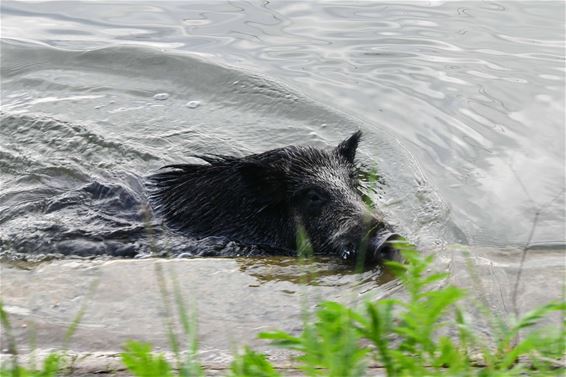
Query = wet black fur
x=260 y=199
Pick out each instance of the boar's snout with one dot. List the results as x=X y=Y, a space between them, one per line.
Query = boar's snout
x=371 y=241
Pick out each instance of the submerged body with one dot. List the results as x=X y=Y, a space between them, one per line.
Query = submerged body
x=270 y=197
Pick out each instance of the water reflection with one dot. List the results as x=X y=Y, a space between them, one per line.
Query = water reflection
x=328 y=272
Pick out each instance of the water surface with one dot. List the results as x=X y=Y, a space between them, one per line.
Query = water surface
x=461 y=105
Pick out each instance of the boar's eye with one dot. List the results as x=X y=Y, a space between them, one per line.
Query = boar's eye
x=314 y=198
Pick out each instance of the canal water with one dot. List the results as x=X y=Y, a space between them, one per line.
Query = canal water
x=461 y=105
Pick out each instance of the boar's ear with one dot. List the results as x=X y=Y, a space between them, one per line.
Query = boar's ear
x=264 y=181
x=348 y=147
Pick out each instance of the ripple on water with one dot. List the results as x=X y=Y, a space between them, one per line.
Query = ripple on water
x=161 y=96
x=192 y=104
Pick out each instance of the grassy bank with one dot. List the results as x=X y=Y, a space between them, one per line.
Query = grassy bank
x=424 y=334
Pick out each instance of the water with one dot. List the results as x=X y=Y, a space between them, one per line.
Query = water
x=461 y=105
